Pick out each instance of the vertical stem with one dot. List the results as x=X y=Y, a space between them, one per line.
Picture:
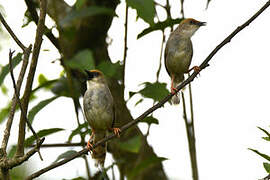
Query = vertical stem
x=125 y=45
x=191 y=142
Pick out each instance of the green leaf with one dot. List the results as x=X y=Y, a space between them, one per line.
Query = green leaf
x=266 y=138
x=263 y=130
x=145 y=9
x=150 y=120
x=12 y=151
x=38 y=107
x=156 y=91
x=79 y=4
x=112 y=70
x=132 y=145
x=82 y=60
x=42 y=133
x=4 y=112
x=65 y=155
x=131 y=93
x=148 y=162
x=266 y=167
x=138 y=102
x=5 y=70
x=159 y=26
x=78 y=130
x=78 y=178
x=4 y=89
x=77 y=14
x=261 y=154
x=42 y=79
x=61 y=87
x=46 y=85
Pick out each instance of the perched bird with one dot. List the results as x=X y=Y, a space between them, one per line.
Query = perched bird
x=99 y=112
x=178 y=53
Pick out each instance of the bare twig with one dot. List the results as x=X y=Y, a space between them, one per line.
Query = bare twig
x=14 y=99
x=17 y=95
x=12 y=33
x=161 y=103
x=60 y=145
x=161 y=53
x=10 y=163
x=30 y=78
x=182 y=8
x=125 y=45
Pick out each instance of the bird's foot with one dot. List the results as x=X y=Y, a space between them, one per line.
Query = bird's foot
x=90 y=146
x=196 y=69
x=116 y=131
x=174 y=91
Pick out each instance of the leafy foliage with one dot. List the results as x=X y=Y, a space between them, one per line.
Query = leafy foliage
x=150 y=120
x=82 y=129
x=4 y=112
x=156 y=91
x=82 y=60
x=65 y=155
x=145 y=9
x=131 y=145
x=112 y=70
x=265 y=156
x=42 y=133
x=144 y=165
x=79 y=13
x=159 y=26
x=5 y=70
x=38 y=107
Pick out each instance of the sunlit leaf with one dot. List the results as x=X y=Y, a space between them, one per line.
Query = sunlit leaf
x=5 y=70
x=261 y=154
x=159 y=26
x=86 y=12
x=79 y=4
x=156 y=91
x=266 y=167
x=263 y=130
x=150 y=120
x=42 y=133
x=4 y=89
x=65 y=155
x=112 y=70
x=4 y=112
x=42 y=79
x=82 y=60
x=131 y=145
x=38 y=107
x=83 y=129
x=145 y=9
x=148 y=162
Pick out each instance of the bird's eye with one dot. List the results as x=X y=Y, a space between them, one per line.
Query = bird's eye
x=191 y=22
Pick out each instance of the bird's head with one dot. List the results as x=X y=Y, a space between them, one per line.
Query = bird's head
x=94 y=76
x=189 y=26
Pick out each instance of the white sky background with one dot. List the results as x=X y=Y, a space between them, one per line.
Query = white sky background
x=231 y=97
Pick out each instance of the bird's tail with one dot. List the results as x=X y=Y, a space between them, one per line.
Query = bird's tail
x=176 y=97
x=99 y=153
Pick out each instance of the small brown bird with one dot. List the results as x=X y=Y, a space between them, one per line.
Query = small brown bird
x=99 y=112
x=179 y=51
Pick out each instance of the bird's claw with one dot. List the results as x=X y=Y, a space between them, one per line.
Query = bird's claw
x=196 y=69
x=174 y=91
x=116 y=131
x=90 y=146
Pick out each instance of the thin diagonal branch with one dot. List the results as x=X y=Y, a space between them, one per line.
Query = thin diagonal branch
x=61 y=145
x=159 y=104
x=31 y=74
x=12 y=33
x=14 y=99
x=17 y=95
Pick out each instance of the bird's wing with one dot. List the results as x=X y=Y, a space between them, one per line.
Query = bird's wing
x=165 y=56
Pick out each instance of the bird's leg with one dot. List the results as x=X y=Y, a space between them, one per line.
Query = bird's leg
x=116 y=131
x=197 y=69
x=89 y=143
x=173 y=89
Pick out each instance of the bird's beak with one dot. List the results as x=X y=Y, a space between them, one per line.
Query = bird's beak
x=201 y=24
